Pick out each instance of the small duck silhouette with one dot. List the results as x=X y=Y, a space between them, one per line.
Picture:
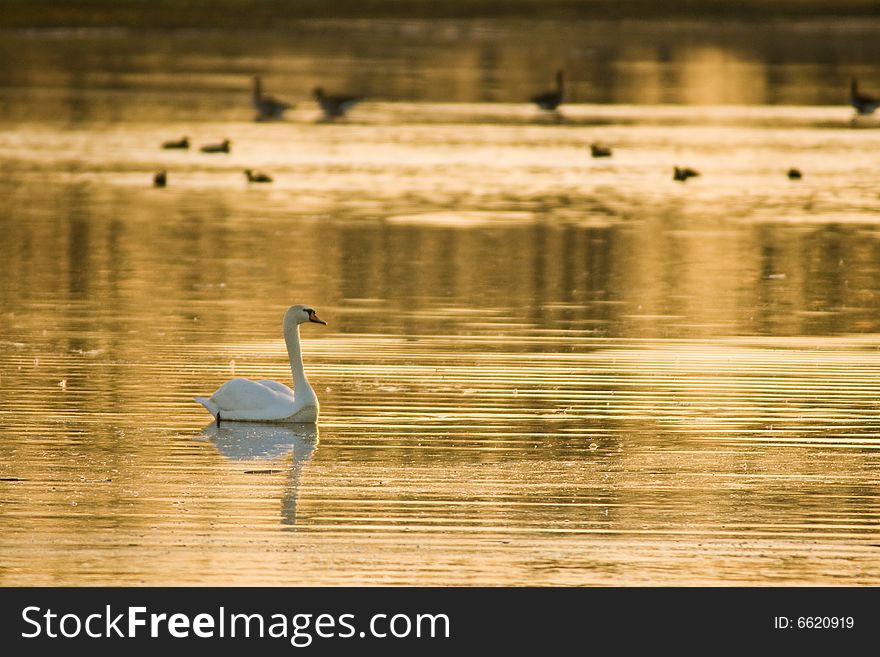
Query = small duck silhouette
x=257 y=176
x=794 y=174
x=222 y=147
x=160 y=179
x=182 y=143
x=682 y=174
x=599 y=150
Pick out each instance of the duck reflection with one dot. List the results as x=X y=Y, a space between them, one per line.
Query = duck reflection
x=255 y=441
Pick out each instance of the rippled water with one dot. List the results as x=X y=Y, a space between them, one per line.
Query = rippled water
x=539 y=368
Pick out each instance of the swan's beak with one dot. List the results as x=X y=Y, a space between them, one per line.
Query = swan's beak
x=317 y=320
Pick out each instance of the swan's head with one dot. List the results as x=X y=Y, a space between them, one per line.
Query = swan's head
x=300 y=314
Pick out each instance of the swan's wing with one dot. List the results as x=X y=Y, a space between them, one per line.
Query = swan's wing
x=242 y=399
x=280 y=388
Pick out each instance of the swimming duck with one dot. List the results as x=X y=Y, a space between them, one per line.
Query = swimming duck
x=222 y=147
x=682 y=174
x=257 y=176
x=598 y=150
x=183 y=143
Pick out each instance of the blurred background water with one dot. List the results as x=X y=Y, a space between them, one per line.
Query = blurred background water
x=540 y=367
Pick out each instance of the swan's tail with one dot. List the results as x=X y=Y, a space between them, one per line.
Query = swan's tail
x=208 y=403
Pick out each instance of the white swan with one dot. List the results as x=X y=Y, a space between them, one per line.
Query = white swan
x=270 y=401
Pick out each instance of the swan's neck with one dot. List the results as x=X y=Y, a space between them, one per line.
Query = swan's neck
x=294 y=351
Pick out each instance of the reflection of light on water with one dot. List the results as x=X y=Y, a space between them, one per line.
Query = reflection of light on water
x=252 y=441
x=529 y=362
x=716 y=76
x=463 y=219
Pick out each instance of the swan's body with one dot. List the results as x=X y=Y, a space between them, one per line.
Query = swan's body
x=261 y=401
x=270 y=401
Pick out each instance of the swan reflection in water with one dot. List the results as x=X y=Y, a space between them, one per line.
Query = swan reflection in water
x=257 y=441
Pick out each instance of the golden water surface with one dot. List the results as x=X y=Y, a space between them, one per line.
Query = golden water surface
x=539 y=368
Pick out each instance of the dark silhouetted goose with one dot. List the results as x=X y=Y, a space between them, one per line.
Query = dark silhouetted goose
x=334 y=106
x=160 y=179
x=794 y=174
x=598 y=150
x=183 y=142
x=683 y=174
x=863 y=103
x=550 y=100
x=257 y=176
x=267 y=107
x=222 y=147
